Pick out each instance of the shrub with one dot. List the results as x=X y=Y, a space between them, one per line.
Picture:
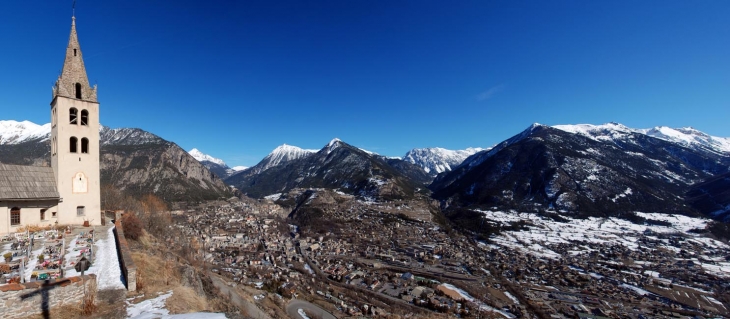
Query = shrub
x=132 y=226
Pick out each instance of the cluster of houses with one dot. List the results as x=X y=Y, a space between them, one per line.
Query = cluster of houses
x=375 y=258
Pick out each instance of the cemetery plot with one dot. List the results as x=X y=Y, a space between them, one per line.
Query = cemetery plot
x=44 y=254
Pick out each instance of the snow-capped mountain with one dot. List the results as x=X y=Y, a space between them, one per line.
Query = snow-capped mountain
x=201 y=157
x=131 y=159
x=339 y=166
x=691 y=137
x=582 y=168
x=127 y=136
x=686 y=136
x=280 y=156
x=14 y=132
x=215 y=165
x=435 y=160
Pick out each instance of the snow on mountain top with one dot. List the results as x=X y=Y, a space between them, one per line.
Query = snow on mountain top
x=591 y=130
x=332 y=145
x=284 y=148
x=333 y=141
x=282 y=154
x=13 y=132
x=239 y=168
x=369 y=152
x=126 y=136
x=200 y=156
x=438 y=160
x=687 y=136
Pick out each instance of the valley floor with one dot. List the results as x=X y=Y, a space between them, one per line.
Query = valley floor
x=363 y=261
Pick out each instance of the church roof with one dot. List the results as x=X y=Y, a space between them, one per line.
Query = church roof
x=18 y=182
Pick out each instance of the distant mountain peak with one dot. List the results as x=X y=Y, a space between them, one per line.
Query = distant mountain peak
x=337 y=165
x=282 y=154
x=435 y=160
x=332 y=145
x=201 y=157
x=584 y=168
x=14 y=132
x=127 y=136
x=285 y=148
x=686 y=136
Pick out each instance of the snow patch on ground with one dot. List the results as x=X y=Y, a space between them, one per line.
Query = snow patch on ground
x=273 y=197
x=544 y=233
x=32 y=262
x=155 y=309
x=511 y=297
x=481 y=305
x=105 y=264
x=302 y=313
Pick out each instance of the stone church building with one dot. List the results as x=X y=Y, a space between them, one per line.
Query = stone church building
x=68 y=192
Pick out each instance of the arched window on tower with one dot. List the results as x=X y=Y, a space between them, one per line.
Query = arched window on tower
x=74 y=52
x=78 y=90
x=73 y=115
x=85 y=145
x=14 y=216
x=84 y=117
x=74 y=144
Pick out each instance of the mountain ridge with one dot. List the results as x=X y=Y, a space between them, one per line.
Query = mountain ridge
x=611 y=168
x=338 y=166
x=131 y=159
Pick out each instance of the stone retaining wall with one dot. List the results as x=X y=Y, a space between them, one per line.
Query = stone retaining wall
x=61 y=292
x=129 y=270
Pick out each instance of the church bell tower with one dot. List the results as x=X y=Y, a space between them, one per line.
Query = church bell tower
x=75 y=140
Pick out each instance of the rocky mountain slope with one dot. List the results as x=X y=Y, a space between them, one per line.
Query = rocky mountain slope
x=686 y=136
x=712 y=197
x=133 y=160
x=588 y=169
x=338 y=166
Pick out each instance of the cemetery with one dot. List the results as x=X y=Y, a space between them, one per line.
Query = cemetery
x=48 y=267
x=43 y=254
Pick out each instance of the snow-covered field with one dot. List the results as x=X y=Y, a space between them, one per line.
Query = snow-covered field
x=586 y=234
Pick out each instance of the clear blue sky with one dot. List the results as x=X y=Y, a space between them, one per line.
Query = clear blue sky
x=238 y=78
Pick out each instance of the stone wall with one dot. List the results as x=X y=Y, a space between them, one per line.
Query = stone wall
x=129 y=270
x=61 y=292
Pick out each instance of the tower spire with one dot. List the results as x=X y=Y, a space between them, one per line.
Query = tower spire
x=73 y=82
